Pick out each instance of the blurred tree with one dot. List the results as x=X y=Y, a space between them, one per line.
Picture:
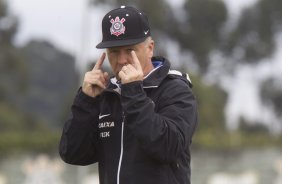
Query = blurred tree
x=201 y=31
x=13 y=120
x=211 y=130
x=211 y=100
x=13 y=75
x=254 y=39
x=271 y=94
x=52 y=79
x=12 y=67
x=256 y=30
x=36 y=81
x=254 y=127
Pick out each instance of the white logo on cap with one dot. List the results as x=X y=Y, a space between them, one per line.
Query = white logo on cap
x=117 y=27
x=146 y=32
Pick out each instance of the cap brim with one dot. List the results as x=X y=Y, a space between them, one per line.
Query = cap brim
x=117 y=43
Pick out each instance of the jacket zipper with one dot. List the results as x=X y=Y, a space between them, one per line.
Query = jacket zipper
x=121 y=149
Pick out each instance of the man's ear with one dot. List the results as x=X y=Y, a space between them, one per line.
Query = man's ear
x=151 y=46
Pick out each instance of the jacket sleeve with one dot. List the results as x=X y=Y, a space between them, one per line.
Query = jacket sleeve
x=167 y=133
x=79 y=137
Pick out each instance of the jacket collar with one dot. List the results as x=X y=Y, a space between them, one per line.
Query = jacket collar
x=156 y=76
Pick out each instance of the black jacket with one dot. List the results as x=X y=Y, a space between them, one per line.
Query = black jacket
x=139 y=133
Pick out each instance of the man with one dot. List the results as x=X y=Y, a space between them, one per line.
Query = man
x=139 y=124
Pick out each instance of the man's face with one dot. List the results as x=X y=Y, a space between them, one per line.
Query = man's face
x=120 y=56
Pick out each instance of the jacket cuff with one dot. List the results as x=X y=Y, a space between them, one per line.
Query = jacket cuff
x=84 y=100
x=132 y=88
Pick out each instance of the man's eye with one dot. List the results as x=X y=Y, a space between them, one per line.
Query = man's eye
x=113 y=51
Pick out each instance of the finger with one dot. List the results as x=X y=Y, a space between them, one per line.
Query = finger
x=98 y=81
x=124 y=68
x=94 y=83
x=106 y=76
x=136 y=61
x=100 y=61
x=93 y=76
x=130 y=68
x=96 y=75
x=122 y=76
x=121 y=73
x=99 y=84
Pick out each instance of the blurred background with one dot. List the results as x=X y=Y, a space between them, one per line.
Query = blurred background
x=231 y=49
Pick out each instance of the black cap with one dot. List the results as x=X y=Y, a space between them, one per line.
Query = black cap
x=124 y=26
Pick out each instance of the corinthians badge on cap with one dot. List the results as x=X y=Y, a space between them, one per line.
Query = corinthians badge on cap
x=117 y=27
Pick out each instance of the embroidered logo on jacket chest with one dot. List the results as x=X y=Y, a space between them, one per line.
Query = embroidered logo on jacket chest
x=104 y=125
x=107 y=124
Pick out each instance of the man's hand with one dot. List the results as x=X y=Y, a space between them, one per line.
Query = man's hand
x=95 y=81
x=131 y=72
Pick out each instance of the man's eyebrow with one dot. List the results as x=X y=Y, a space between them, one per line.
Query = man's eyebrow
x=113 y=49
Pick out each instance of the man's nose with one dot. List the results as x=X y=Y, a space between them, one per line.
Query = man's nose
x=122 y=58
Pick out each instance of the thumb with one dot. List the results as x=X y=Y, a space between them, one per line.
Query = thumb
x=106 y=76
